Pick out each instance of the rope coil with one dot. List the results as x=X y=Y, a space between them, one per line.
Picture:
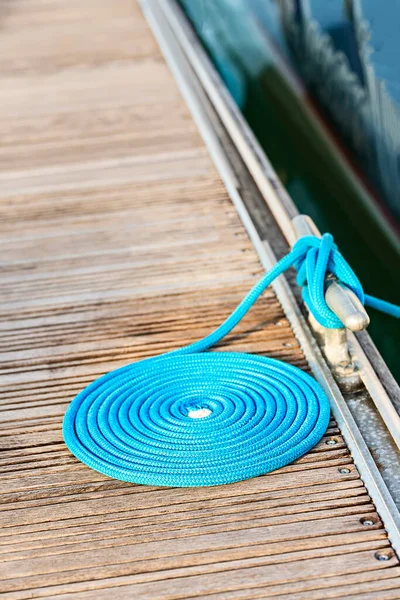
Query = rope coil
x=254 y=414
x=134 y=424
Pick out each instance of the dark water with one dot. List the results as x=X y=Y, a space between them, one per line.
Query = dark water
x=316 y=184
x=318 y=190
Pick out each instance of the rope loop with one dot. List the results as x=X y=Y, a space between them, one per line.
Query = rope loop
x=319 y=259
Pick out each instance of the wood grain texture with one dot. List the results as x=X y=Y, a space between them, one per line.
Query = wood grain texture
x=119 y=242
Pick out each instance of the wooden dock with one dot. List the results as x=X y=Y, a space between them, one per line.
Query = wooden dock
x=119 y=242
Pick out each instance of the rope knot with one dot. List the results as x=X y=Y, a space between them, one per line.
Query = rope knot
x=320 y=260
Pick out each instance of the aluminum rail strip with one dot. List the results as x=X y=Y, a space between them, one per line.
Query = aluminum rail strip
x=281 y=206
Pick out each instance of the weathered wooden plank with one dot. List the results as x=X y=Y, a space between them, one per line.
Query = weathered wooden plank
x=273 y=482
x=118 y=527
x=126 y=574
x=176 y=587
x=162 y=529
x=319 y=589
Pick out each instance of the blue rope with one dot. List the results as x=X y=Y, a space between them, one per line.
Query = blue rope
x=383 y=306
x=257 y=414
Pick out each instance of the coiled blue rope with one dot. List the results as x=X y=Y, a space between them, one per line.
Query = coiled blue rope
x=253 y=414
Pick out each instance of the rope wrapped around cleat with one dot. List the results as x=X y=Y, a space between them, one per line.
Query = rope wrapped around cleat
x=195 y=418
